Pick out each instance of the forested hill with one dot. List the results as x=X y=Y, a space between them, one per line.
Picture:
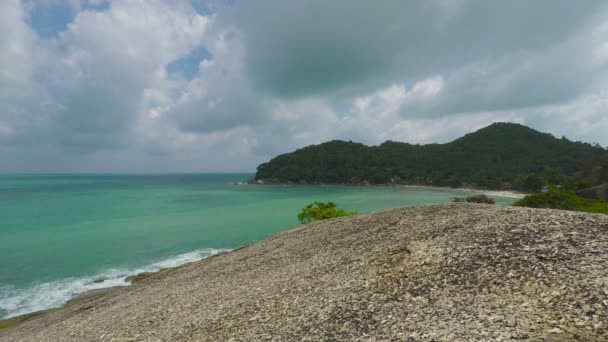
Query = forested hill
x=489 y=157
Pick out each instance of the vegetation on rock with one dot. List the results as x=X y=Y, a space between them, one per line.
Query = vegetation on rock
x=494 y=157
x=563 y=199
x=321 y=211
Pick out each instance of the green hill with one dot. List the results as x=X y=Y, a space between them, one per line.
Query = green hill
x=501 y=152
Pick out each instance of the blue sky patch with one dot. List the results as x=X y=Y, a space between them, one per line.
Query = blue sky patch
x=187 y=66
x=50 y=20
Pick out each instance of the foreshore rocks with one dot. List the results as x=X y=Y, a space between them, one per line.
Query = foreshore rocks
x=453 y=272
x=474 y=199
x=139 y=277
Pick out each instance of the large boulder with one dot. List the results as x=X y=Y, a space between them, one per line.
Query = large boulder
x=596 y=192
x=480 y=199
x=474 y=199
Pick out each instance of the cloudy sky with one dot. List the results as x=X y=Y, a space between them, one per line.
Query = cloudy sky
x=222 y=85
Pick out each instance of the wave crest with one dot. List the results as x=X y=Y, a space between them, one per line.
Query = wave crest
x=16 y=302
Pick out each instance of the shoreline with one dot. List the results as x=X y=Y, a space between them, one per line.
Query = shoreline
x=94 y=294
x=264 y=289
x=77 y=299
x=107 y=285
x=65 y=291
x=499 y=193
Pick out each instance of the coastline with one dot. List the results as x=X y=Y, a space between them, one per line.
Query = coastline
x=499 y=193
x=77 y=299
x=45 y=296
x=34 y=300
x=94 y=294
x=350 y=271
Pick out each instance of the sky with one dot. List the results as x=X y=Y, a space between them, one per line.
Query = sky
x=223 y=85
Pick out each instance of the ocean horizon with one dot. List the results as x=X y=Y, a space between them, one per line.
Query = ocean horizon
x=65 y=234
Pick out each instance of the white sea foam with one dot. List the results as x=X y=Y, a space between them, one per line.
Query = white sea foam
x=15 y=302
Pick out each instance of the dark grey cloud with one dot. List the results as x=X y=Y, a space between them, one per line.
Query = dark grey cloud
x=319 y=48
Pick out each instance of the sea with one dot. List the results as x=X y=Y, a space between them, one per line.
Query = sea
x=61 y=235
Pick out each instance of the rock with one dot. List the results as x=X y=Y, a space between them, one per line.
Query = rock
x=90 y=295
x=555 y=331
x=459 y=199
x=99 y=280
x=260 y=181
x=480 y=199
x=138 y=277
x=13 y=321
x=596 y=192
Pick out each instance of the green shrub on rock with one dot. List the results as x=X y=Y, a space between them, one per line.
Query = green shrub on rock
x=563 y=199
x=321 y=211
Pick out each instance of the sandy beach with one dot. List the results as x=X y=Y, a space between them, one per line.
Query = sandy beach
x=500 y=193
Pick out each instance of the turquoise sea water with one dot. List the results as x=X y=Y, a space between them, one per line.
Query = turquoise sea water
x=59 y=233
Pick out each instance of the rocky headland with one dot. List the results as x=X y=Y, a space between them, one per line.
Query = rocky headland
x=459 y=271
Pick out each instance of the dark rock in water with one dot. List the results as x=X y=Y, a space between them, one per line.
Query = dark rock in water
x=99 y=280
x=138 y=277
x=459 y=199
x=480 y=199
x=90 y=295
x=596 y=192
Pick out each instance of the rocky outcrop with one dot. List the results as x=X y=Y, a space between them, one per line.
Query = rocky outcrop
x=139 y=277
x=596 y=192
x=474 y=199
x=263 y=181
x=454 y=272
x=480 y=199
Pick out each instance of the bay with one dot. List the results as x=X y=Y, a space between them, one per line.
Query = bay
x=62 y=234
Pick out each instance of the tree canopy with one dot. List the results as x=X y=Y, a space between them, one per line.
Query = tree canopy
x=321 y=211
x=498 y=154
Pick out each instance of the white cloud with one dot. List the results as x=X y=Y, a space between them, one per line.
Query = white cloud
x=281 y=75
x=112 y=63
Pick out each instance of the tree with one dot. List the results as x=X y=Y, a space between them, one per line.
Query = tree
x=531 y=183
x=488 y=158
x=321 y=211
